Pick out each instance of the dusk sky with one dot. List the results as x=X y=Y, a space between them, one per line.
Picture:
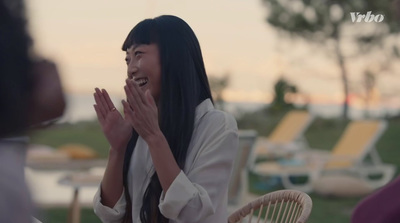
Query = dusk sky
x=85 y=38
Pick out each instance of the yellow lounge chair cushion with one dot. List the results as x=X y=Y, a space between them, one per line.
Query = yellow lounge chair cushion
x=78 y=151
x=353 y=142
x=289 y=127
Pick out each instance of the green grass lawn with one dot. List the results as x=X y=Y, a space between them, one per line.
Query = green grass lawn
x=322 y=134
x=60 y=215
x=86 y=133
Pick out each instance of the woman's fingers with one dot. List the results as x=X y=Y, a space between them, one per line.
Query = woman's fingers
x=129 y=97
x=137 y=92
x=103 y=99
x=133 y=95
x=100 y=116
x=128 y=111
x=99 y=103
x=107 y=98
x=104 y=104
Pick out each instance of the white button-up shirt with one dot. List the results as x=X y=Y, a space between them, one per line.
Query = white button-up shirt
x=199 y=193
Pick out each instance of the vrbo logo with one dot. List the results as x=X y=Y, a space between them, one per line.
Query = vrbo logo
x=369 y=17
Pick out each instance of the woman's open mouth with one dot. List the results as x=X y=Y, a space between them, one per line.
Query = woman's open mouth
x=142 y=81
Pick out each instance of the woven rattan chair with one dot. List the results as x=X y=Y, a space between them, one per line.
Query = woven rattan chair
x=283 y=206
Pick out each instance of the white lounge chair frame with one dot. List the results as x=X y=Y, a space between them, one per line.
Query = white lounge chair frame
x=315 y=166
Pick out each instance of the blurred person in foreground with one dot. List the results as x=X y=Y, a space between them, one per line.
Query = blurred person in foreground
x=383 y=206
x=172 y=153
x=30 y=94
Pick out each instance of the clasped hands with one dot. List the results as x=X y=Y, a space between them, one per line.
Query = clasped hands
x=140 y=112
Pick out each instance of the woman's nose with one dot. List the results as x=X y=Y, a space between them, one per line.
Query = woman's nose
x=132 y=69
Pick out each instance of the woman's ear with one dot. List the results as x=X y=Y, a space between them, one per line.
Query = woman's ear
x=47 y=99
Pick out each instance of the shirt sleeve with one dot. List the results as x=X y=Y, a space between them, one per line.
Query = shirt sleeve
x=107 y=214
x=194 y=196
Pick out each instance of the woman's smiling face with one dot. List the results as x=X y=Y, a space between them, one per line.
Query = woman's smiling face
x=144 y=67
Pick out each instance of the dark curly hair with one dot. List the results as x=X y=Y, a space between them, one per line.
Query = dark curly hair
x=15 y=64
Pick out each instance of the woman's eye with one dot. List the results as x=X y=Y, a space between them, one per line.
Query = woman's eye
x=138 y=53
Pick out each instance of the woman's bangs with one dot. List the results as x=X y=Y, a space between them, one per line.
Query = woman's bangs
x=142 y=33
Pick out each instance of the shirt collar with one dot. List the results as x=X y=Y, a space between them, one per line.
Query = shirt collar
x=203 y=108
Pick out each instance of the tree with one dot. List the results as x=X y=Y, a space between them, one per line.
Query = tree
x=282 y=89
x=369 y=84
x=218 y=85
x=324 y=22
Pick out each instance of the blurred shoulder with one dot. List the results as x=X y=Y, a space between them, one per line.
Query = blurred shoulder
x=212 y=119
x=220 y=118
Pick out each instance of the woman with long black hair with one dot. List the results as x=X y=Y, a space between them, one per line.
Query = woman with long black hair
x=171 y=154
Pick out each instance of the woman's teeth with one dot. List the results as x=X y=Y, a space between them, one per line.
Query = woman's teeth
x=142 y=82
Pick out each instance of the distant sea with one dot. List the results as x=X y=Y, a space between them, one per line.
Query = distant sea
x=80 y=108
